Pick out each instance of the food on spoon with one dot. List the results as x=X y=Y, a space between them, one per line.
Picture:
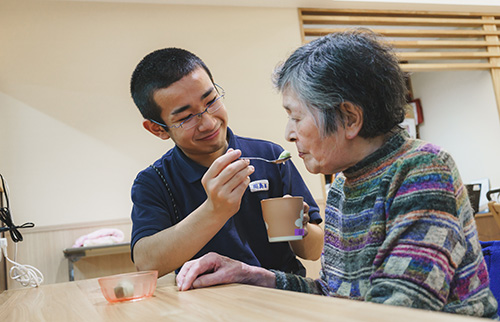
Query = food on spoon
x=284 y=155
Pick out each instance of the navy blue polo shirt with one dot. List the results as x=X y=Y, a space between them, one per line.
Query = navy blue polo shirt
x=244 y=236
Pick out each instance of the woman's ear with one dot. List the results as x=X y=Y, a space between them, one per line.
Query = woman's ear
x=353 y=119
x=155 y=129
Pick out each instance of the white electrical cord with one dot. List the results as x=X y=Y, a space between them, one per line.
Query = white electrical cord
x=26 y=275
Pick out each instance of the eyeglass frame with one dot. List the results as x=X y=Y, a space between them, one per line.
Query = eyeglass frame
x=199 y=115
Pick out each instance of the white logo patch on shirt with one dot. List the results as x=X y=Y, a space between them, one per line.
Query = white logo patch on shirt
x=259 y=185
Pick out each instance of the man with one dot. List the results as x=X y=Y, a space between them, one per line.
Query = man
x=195 y=198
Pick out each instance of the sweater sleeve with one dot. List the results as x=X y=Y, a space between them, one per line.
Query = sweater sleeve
x=291 y=282
x=425 y=240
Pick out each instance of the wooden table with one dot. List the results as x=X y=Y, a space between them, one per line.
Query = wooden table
x=83 y=301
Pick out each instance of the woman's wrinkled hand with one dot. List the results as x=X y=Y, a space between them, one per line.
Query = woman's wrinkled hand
x=213 y=269
x=210 y=269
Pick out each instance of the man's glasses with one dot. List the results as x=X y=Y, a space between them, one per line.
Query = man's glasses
x=194 y=119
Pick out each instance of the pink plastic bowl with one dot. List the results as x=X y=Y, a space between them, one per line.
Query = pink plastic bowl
x=127 y=287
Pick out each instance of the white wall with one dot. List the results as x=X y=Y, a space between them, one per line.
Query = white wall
x=445 y=5
x=71 y=137
x=460 y=115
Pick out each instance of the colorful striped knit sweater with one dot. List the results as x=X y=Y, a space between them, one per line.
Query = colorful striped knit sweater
x=399 y=230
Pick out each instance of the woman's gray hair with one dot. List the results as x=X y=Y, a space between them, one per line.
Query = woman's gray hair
x=349 y=66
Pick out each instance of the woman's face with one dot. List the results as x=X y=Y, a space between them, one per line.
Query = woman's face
x=321 y=154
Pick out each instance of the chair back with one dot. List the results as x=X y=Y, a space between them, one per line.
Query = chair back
x=495 y=210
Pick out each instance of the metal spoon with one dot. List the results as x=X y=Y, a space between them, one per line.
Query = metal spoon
x=277 y=161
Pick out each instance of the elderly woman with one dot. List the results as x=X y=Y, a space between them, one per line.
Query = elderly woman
x=399 y=228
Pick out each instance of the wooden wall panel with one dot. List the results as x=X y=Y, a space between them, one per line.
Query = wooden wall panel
x=421 y=38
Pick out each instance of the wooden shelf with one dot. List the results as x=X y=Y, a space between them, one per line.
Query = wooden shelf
x=421 y=38
x=76 y=253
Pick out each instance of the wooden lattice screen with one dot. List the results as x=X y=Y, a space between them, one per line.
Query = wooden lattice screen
x=423 y=40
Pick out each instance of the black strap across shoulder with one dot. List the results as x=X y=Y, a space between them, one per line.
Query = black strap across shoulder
x=176 y=213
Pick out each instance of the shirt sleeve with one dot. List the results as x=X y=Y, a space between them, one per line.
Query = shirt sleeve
x=152 y=209
x=425 y=242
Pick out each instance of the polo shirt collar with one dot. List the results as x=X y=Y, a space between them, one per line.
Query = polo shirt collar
x=190 y=170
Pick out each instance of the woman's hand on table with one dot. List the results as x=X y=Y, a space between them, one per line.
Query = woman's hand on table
x=214 y=269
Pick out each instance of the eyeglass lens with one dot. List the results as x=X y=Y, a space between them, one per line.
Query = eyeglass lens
x=196 y=118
